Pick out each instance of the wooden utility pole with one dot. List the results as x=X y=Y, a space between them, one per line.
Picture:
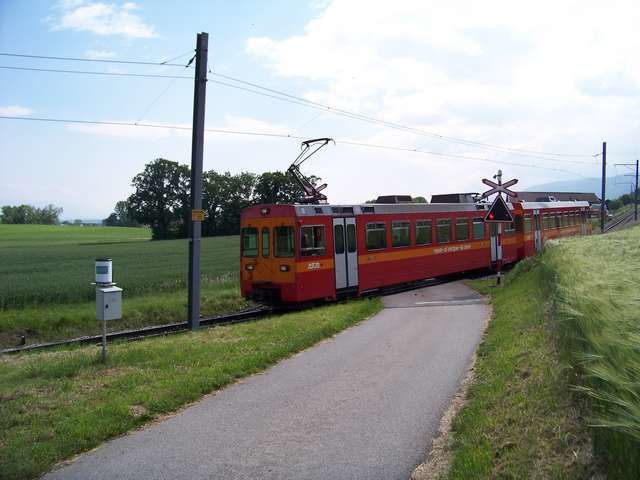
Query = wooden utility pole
x=603 y=206
x=197 y=147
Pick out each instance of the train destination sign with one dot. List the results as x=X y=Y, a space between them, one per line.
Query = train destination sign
x=499 y=212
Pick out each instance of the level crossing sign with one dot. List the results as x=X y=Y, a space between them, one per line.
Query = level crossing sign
x=499 y=187
x=499 y=212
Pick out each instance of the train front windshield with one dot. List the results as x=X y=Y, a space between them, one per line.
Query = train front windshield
x=250 y=242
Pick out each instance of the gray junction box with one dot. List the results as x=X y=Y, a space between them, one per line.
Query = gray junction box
x=108 y=303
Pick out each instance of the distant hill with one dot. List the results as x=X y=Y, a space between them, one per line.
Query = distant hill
x=615 y=187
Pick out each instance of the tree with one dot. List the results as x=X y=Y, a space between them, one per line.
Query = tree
x=49 y=215
x=120 y=216
x=28 y=214
x=224 y=198
x=277 y=187
x=161 y=198
x=419 y=200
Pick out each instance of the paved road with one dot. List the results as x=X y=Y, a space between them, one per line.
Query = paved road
x=365 y=404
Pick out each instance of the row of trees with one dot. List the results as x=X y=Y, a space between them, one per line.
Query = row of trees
x=621 y=201
x=28 y=214
x=161 y=199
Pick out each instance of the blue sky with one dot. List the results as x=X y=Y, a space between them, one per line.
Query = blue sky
x=494 y=73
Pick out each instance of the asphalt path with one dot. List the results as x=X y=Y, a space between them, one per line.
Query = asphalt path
x=365 y=404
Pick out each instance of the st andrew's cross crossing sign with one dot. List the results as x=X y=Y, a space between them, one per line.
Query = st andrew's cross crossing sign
x=499 y=212
x=499 y=188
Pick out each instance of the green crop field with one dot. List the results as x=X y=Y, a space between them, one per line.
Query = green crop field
x=557 y=373
x=46 y=274
x=54 y=264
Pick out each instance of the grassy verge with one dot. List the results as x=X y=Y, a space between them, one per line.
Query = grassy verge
x=593 y=284
x=56 y=322
x=54 y=405
x=557 y=374
x=519 y=421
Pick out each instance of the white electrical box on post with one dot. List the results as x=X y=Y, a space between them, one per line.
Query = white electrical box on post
x=108 y=298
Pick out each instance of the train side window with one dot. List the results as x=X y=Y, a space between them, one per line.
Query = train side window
x=565 y=222
x=509 y=228
x=519 y=223
x=266 y=244
x=478 y=228
x=250 y=242
x=527 y=223
x=283 y=242
x=462 y=229
x=443 y=230
x=351 y=238
x=423 y=232
x=338 y=239
x=312 y=242
x=376 y=237
x=400 y=234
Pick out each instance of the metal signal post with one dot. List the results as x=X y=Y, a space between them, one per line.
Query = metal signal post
x=635 y=196
x=603 y=203
x=499 y=212
x=197 y=147
x=635 y=186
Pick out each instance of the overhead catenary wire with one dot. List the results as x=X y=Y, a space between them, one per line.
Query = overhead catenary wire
x=305 y=102
x=286 y=136
x=166 y=63
x=163 y=92
x=90 y=72
x=397 y=125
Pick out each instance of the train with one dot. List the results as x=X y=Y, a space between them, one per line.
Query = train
x=299 y=253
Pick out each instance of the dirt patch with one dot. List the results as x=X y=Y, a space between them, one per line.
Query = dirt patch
x=438 y=461
x=138 y=410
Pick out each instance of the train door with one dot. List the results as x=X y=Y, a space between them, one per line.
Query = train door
x=537 y=230
x=345 y=252
x=496 y=248
x=583 y=223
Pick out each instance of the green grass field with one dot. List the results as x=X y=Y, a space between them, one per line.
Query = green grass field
x=560 y=365
x=54 y=264
x=46 y=274
x=56 y=404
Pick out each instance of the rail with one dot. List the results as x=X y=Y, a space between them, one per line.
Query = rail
x=156 y=330
x=617 y=222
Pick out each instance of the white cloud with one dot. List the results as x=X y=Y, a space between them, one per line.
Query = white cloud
x=103 y=19
x=548 y=75
x=15 y=111
x=99 y=54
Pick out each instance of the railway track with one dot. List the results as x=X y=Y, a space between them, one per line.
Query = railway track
x=145 y=332
x=619 y=222
x=213 y=321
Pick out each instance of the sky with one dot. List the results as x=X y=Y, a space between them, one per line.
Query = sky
x=549 y=76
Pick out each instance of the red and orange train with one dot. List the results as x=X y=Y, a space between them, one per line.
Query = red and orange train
x=300 y=253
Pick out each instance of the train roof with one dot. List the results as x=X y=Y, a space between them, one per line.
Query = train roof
x=381 y=208
x=305 y=210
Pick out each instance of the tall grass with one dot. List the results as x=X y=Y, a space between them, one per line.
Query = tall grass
x=593 y=285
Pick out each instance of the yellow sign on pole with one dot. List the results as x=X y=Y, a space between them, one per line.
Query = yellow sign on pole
x=197 y=215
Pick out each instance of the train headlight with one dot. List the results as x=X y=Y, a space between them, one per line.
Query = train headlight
x=284 y=268
x=249 y=267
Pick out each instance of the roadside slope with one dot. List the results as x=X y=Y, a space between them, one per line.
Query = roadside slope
x=556 y=376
